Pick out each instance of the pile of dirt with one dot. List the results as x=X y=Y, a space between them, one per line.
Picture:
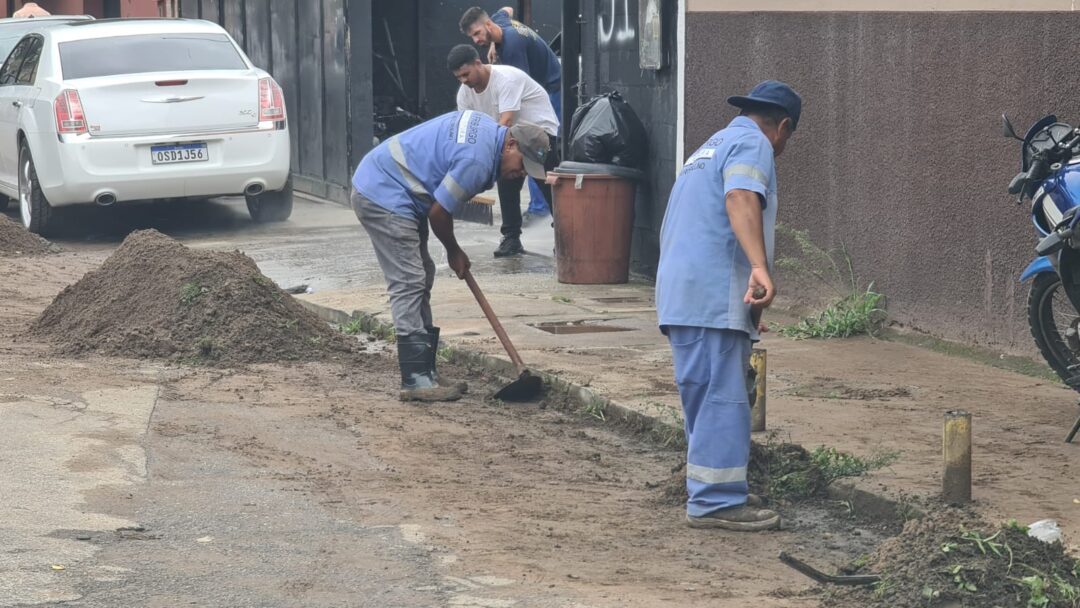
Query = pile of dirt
x=952 y=558
x=17 y=240
x=154 y=297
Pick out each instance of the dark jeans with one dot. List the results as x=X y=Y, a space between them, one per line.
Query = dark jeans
x=510 y=194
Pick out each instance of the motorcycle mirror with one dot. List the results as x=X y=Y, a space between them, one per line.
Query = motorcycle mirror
x=1016 y=186
x=1007 y=129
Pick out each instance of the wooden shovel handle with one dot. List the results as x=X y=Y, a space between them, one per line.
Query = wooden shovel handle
x=490 y=314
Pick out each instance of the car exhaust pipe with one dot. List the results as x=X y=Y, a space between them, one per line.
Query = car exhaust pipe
x=105 y=199
x=254 y=190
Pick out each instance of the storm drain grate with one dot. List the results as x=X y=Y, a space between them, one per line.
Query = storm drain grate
x=621 y=300
x=578 y=327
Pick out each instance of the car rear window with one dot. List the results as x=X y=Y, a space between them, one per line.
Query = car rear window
x=148 y=53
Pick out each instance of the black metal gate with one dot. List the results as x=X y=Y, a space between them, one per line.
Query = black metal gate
x=319 y=51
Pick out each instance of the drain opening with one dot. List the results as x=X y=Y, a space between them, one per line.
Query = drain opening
x=620 y=300
x=578 y=328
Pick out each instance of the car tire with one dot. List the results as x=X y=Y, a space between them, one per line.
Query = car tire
x=5 y=202
x=272 y=206
x=34 y=209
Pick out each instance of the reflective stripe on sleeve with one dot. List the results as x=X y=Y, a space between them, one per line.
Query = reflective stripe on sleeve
x=463 y=126
x=747 y=171
x=398 y=154
x=711 y=475
x=455 y=189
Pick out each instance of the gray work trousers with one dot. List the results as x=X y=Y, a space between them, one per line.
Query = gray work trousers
x=400 y=244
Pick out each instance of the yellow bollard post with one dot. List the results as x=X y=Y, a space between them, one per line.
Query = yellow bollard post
x=956 y=451
x=757 y=412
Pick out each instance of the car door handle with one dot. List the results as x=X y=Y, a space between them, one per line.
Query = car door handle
x=17 y=104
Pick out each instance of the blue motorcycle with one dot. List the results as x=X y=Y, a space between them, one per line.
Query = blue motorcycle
x=1050 y=179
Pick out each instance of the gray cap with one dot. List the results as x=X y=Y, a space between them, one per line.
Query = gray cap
x=534 y=145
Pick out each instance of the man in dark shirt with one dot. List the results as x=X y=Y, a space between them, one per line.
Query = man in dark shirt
x=513 y=43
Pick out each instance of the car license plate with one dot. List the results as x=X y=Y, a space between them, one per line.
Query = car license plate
x=179 y=153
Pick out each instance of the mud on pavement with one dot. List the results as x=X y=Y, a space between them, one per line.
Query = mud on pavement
x=310 y=484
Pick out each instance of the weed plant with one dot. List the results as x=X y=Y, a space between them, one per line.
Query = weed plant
x=854 y=310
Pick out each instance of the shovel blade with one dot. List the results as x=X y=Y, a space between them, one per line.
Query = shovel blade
x=526 y=388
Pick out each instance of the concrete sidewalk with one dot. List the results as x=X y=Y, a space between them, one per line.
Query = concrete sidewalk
x=860 y=395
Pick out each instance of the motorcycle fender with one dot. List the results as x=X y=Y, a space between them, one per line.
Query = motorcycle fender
x=1038 y=266
x=1069 y=271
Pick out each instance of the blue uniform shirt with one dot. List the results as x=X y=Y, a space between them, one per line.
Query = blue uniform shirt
x=703 y=272
x=526 y=50
x=448 y=159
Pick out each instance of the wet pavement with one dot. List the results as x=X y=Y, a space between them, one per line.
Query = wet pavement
x=322 y=245
x=859 y=395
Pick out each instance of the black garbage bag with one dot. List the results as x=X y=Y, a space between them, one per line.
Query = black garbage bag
x=606 y=130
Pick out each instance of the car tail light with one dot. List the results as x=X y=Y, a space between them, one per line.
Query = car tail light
x=70 y=118
x=271 y=101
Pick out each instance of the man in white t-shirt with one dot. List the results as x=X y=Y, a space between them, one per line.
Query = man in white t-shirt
x=508 y=95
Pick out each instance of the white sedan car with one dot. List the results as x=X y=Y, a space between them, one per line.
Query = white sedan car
x=126 y=110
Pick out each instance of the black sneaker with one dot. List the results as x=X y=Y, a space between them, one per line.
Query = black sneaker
x=510 y=245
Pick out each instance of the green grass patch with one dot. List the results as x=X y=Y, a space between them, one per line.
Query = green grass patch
x=855 y=310
x=190 y=292
x=353 y=327
x=859 y=313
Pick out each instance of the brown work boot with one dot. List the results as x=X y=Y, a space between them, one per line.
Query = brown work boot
x=753 y=500
x=739 y=519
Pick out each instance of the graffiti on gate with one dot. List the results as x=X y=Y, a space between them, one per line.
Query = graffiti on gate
x=614 y=25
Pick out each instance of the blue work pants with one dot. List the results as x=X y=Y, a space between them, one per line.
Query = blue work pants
x=538 y=203
x=710 y=370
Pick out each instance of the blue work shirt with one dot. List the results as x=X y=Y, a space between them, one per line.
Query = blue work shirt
x=448 y=159
x=703 y=272
x=526 y=50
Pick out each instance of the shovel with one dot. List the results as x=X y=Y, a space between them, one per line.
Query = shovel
x=528 y=385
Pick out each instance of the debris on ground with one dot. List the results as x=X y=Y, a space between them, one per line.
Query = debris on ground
x=17 y=240
x=154 y=297
x=780 y=471
x=950 y=557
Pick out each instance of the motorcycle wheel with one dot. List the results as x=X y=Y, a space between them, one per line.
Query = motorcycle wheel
x=1050 y=315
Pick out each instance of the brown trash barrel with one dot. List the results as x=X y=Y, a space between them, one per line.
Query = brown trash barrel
x=594 y=217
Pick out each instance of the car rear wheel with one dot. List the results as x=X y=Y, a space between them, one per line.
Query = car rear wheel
x=34 y=208
x=272 y=206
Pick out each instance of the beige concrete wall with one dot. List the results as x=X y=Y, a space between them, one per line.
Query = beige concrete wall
x=708 y=6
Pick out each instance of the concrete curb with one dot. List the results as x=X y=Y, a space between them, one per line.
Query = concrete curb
x=587 y=401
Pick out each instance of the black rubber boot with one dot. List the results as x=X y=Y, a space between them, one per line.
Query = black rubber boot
x=433 y=338
x=418 y=382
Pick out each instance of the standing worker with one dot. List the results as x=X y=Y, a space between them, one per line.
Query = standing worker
x=507 y=95
x=513 y=43
x=716 y=251
x=424 y=175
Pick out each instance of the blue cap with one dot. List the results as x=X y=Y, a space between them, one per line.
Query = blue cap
x=773 y=93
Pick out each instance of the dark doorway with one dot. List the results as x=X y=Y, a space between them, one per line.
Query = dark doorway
x=111 y=9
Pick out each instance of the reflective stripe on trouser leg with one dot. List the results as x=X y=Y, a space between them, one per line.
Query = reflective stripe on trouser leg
x=400 y=245
x=710 y=370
